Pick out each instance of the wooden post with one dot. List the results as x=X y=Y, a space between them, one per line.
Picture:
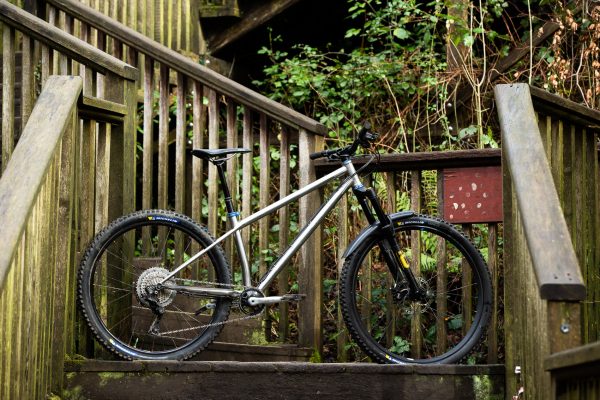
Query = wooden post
x=310 y=274
x=284 y=219
x=415 y=265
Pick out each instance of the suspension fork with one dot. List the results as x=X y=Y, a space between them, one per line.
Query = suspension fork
x=390 y=248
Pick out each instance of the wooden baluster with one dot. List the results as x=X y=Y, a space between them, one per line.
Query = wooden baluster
x=263 y=202
x=232 y=167
x=441 y=294
x=180 y=145
x=199 y=115
x=28 y=83
x=492 y=337
x=8 y=94
x=366 y=281
x=101 y=45
x=390 y=179
x=247 y=167
x=467 y=285
x=199 y=119
x=148 y=143
x=342 y=226
x=284 y=231
x=86 y=73
x=163 y=137
x=310 y=274
x=415 y=265
x=213 y=179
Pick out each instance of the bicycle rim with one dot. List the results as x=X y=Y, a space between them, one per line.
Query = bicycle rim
x=446 y=324
x=130 y=258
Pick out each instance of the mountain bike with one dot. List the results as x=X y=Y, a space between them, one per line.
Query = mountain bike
x=154 y=285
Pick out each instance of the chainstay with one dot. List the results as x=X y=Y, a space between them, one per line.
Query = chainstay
x=227 y=321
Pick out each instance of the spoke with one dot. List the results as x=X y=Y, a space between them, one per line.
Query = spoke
x=119 y=322
x=111 y=287
x=105 y=306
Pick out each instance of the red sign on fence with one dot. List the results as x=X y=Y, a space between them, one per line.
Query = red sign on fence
x=473 y=195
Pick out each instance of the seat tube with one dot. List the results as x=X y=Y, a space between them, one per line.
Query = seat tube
x=232 y=217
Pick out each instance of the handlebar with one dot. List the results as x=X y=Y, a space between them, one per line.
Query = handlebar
x=364 y=138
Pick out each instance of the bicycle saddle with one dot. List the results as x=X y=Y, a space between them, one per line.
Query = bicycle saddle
x=208 y=154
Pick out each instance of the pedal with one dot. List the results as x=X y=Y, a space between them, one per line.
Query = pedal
x=293 y=297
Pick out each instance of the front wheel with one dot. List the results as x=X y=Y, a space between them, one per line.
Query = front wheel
x=444 y=323
x=118 y=293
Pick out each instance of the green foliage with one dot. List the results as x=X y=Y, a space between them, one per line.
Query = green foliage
x=400 y=57
x=400 y=345
x=394 y=74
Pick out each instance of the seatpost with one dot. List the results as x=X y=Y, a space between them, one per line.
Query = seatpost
x=228 y=200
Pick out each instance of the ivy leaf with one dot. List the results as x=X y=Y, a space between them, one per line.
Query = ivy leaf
x=401 y=33
x=468 y=40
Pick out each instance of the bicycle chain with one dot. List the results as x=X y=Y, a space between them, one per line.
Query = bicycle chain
x=227 y=321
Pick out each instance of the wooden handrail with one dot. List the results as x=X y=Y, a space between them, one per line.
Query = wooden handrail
x=184 y=65
x=67 y=44
x=565 y=108
x=23 y=178
x=573 y=358
x=549 y=242
x=421 y=160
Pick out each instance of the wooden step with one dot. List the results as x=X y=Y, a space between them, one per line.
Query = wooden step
x=94 y=379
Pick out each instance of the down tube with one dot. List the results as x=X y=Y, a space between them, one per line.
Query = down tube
x=304 y=235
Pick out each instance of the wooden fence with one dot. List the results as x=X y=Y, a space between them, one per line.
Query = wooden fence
x=422 y=177
x=187 y=105
x=62 y=179
x=36 y=274
x=172 y=23
x=551 y=231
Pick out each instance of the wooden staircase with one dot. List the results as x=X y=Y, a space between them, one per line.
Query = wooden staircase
x=256 y=380
x=105 y=113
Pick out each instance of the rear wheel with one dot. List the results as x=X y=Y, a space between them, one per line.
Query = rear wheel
x=117 y=287
x=444 y=324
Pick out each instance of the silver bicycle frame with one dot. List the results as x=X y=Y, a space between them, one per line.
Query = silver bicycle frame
x=277 y=267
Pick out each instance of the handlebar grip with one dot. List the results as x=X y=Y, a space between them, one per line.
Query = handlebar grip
x=319 y=154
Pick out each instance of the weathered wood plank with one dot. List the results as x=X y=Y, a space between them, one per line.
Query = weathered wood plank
x=39 y=201
x=63 y=42
x=556 y=266
x=199 y=119
x=180 y=144
x=163 y=136
x=492 y=261
x=442 y=277
x=248 y=143
x=288 y=380
x=213 y=143
x=310 y=273
x=191 y=69
x=148 y=155
x=421 y=160
x=8 y=94
x=232 y=169
x=284 y=231
x=415 y=262
x=18 y=186
x=27 y=88
x=264 y=191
